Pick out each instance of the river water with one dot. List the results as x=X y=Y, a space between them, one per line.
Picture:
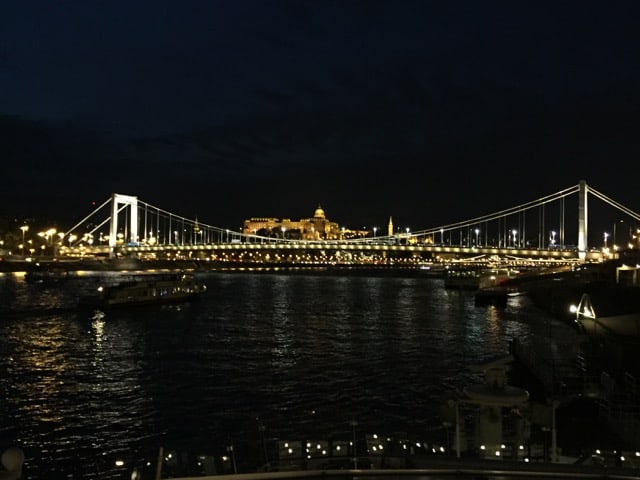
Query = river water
x=288 y=356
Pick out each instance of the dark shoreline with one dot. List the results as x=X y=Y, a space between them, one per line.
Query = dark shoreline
x=49 y=266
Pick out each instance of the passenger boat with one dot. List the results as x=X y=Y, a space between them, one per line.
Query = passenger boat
x=156 y=290
x=474 y=278
x=496 y=277
x=462 y=278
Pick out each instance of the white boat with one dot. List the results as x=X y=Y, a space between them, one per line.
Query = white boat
x=149 y=291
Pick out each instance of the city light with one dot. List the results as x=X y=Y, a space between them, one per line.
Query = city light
x=47 y=236
x=25 y=229
x=199 y=240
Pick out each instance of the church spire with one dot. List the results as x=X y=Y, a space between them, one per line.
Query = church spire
x=390 y=226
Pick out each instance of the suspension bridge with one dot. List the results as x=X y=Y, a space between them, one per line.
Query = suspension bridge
x=550 y=228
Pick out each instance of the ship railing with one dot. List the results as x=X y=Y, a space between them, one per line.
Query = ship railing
x=453 y=470
x=623 y=418
x=560 y=377
x=621 y=408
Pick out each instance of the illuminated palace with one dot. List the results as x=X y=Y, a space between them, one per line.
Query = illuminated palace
x=315 y=228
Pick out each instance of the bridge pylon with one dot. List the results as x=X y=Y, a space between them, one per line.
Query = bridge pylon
x=583 y=191
x=117 y=200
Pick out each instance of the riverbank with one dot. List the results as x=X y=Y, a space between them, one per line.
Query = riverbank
x=54 y=265
x=59 y=265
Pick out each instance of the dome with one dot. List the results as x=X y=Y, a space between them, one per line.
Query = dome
x=319 y=213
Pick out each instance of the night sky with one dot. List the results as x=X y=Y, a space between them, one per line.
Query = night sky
x=431 y=112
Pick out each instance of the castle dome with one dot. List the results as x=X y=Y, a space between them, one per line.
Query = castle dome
x=319 y=213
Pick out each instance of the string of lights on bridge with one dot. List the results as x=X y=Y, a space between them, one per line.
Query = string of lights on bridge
x=532 y=224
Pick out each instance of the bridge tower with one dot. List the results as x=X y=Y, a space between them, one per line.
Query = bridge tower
x=128 y=201
x=582 y=220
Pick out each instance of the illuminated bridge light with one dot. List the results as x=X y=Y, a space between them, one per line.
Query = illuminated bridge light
x=188 y=238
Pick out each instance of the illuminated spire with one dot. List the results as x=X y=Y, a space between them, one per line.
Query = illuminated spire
x=390 y=226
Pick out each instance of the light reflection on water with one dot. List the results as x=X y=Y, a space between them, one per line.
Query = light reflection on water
x=303 y=354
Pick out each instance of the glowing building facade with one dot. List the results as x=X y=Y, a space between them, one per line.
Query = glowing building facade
x=317 y=227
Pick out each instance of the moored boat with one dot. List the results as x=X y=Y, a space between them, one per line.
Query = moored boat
x=156 y=290
x=462 y=278
x=496 y=296
x=473 y=278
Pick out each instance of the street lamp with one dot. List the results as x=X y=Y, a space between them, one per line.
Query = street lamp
x=25 y=229
x=46 y=236
x=283 y=230
x=606 y=235
x=442 y=236
x=553 y=237
x=375 y=229
x=477 y=230
x=515 y=232
x=614 y=233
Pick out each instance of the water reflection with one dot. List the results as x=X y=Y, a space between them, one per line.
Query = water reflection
x=71 y=383
x=38 y=359
x=304 y=354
